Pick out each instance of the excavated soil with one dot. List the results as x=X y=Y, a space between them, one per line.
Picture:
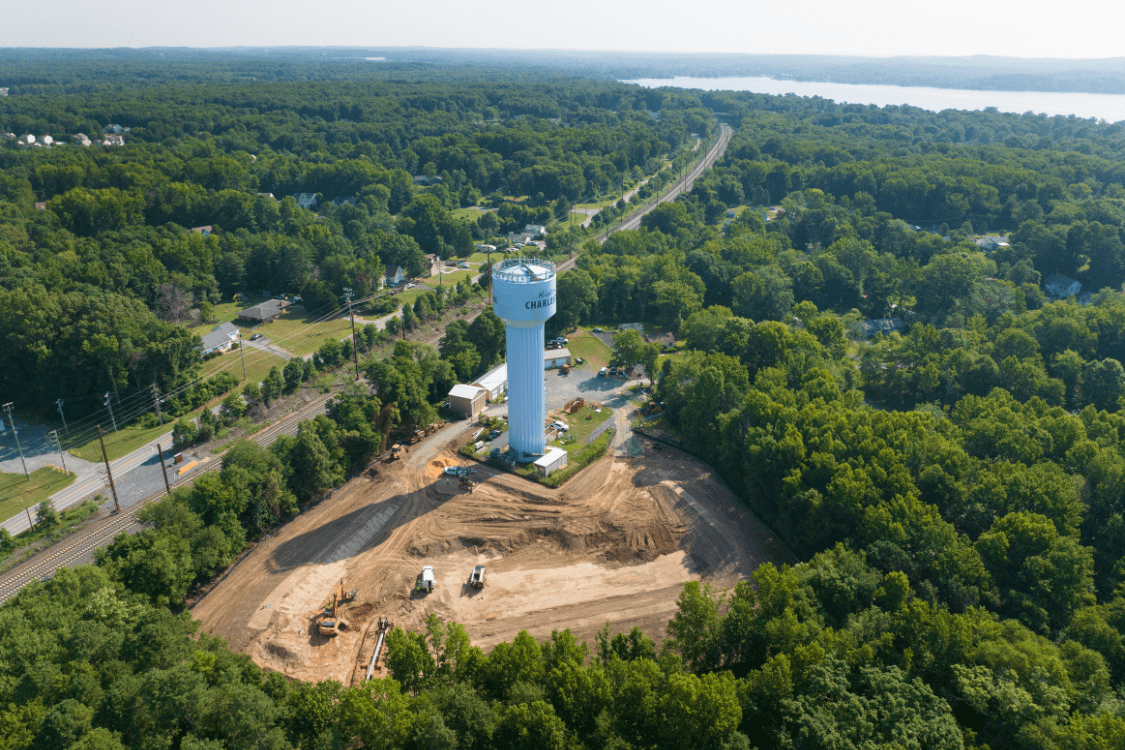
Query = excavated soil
x=614 y=545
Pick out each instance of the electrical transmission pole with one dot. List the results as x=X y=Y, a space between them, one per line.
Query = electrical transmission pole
x=242 y=353
x=59 y=403
x=355 y=352
x=108 y=473
x=8 y=408
x=58 y=444
x=164 y=469
x=109 y=405
x=156 y=402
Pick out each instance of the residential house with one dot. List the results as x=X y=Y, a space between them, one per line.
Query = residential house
x=220 y=338
x=885 y=326
x=205 y=231
x=470 y=400
x=632 y=326
x=115 y=129
x=395 y=275
x=4 y=91
x=114 y=140
x=991 y=243
x=343 y=200
x=535 y=229
x=41 y=205
x=486 y=248
x=27 y=138
x=47 y=140
x=424 y=179
x=265 y=312
x=305 y=200
x=267 y=195
x=1061 y=287
x=494 y=382
x=435 y=264
x=82 y=139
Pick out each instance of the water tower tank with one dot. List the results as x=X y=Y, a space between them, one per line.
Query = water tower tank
x=523 y=293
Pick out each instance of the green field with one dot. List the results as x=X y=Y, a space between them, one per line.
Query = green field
x=225 y=312
x=124 y=441
x=258 y=364
x=17 y=493
x=590 y=348
x=580 y=426
x=450 y=279
x=298 y=335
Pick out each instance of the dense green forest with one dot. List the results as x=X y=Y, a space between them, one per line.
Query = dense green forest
x=956 y=490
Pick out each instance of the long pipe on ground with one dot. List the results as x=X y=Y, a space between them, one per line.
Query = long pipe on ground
x=375 y=657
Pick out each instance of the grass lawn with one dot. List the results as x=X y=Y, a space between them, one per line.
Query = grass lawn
x=225 y=312
x=580 y=426
x=17 y=493
x=258 y=364
x=125 y=440
x=451 y=279
x=472 y=214
x=298 y=335
x=590 y=348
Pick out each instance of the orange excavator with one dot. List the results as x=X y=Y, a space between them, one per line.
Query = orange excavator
x=331 y=622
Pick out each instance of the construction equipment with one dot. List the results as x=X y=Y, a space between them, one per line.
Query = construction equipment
x=426 y=581
x=564 y=370
x=395 y=453
x=476 y=578
x=331 y=622
x=468 y=484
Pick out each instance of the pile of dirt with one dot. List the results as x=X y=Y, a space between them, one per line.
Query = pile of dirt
x=615 y=545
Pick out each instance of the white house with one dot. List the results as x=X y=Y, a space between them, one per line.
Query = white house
x=534 y=229
x=395 y=275
x=305 y=200
x=1061 y=287
x=343 y=200
x=82 y=140
x=220 y=338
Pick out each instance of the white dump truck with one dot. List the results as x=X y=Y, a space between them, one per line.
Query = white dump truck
x=426 y=582
x=476 y=578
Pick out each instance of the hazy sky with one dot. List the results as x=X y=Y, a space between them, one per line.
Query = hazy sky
x=874 y=27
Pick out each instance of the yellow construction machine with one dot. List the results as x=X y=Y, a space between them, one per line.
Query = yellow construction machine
x=331 y=622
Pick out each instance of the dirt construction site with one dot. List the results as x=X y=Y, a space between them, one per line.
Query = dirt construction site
x=615 y=544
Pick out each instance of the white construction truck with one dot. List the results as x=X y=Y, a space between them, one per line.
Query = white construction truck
x=426 y=582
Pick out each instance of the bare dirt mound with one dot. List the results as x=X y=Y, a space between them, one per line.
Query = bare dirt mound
x=615 y=545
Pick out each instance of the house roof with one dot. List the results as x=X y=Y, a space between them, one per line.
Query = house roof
x=214 y=340
x=556 y=353
x=494 y=378
x=265 y=310
x=466 y=391
x=227 y=328
x=203 y=229
x=549 y=458
x=392 y=270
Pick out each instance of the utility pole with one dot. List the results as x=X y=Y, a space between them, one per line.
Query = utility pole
x=109 y=405
x=59 y=403
x=156 y=402
x=108 y=473
x=242 y=353
x=164 y=469
x=355 y=352
x=8 y=408
x=58 y=444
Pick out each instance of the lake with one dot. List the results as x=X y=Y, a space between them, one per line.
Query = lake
x=1108 y=107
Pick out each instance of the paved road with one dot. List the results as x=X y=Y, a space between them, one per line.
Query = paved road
x=145 y=477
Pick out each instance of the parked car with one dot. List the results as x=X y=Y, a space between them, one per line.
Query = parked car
x=560 y=426
x=598 y=330
x=255 y=337
x=494 y=434
x=602 y=372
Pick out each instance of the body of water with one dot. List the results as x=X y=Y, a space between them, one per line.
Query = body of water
x=1108 y=107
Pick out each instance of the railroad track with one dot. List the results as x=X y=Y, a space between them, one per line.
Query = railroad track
x=81 y=544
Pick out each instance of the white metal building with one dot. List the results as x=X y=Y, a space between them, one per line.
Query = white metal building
x=495 y=381
x=524 y=298
x=551 y=461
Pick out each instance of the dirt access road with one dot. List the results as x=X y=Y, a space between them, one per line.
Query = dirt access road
x=615 y=544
